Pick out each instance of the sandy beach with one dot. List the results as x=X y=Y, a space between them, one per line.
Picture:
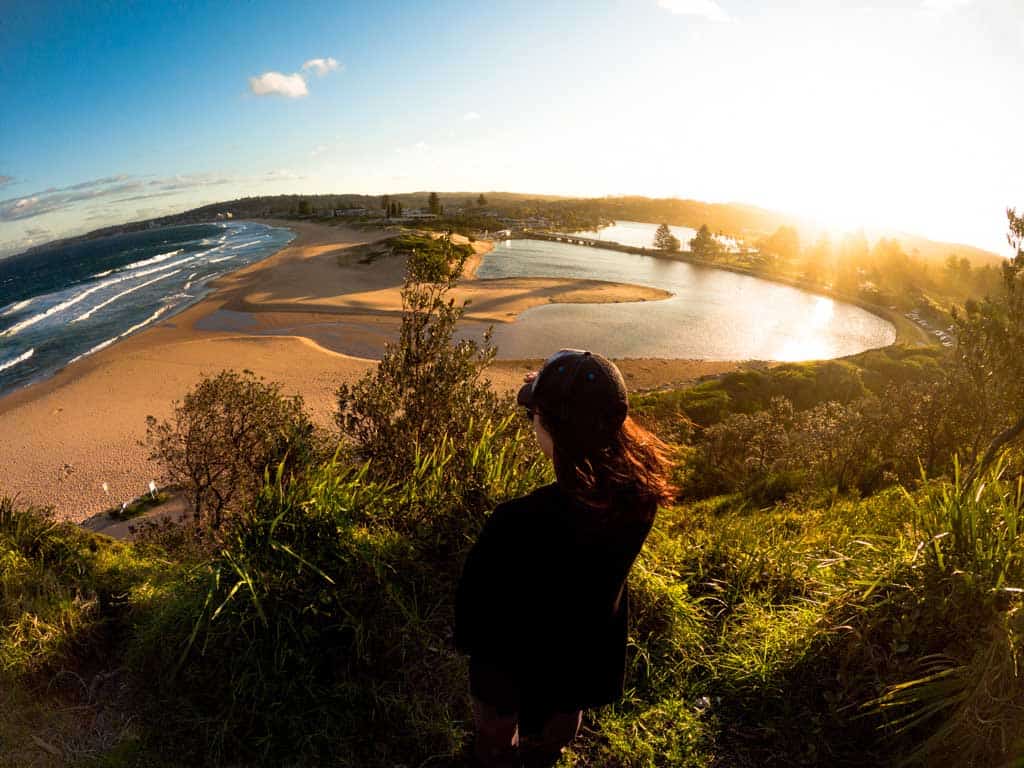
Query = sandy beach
x=310 y=317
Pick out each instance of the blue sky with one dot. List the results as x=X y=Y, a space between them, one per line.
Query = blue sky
x=900 y=114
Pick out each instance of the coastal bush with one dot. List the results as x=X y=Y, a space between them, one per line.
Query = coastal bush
x=858 y=446
x=687 y=412
x=223 y=436
x=428 y=385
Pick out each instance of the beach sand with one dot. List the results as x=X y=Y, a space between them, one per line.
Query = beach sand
x=310 y=317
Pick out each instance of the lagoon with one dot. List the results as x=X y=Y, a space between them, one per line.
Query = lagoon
x=714 y=314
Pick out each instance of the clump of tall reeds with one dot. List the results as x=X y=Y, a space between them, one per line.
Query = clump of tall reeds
x=965 y=699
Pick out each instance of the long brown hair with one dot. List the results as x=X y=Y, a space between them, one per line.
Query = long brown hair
x=632 y=466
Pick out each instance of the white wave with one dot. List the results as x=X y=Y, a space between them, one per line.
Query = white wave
x=222 y=258
x=17 y=327
x=20 y=359
x=244 y=245
x=97 y=348
x=137 y=326
x=79 y=297
x=189 y=283
x=16 y=307
x=125 y=292
x=153 y=260
x=102 y=274
x=161 y=268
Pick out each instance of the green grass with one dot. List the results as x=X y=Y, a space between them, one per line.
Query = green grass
x=883 y=631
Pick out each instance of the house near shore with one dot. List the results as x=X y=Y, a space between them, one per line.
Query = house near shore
x=416 y=213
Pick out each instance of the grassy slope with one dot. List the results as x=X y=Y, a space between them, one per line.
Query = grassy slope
x=757 y=637
x=820 y=631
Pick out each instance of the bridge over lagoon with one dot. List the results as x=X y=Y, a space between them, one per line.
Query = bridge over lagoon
x=608 y=245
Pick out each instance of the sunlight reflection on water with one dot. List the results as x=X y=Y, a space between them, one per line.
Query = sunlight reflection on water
x=713 y=315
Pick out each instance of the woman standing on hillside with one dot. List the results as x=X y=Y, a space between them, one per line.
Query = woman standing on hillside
x=542 y=606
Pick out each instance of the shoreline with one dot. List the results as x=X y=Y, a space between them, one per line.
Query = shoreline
x=906 y=332
x=83 y=427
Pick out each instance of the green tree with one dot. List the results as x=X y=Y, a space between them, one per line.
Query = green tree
x=481 y=200
x=989 y=360
x=434 y=203
x=222 y=437
x=664 y=240
x=818 y=260
x=704 y=245
x=428 y=386
x=385 y=203
x=781 y=247
x=305 y=209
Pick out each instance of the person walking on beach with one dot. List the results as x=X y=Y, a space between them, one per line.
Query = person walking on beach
x=542 y=607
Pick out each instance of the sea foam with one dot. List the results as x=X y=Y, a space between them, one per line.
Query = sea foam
x=16 y=307
x=116 y=296
x=20 y=359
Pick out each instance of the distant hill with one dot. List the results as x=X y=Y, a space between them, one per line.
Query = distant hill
x=748 y=222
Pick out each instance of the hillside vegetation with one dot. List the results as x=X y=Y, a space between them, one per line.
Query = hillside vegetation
x=817 y=596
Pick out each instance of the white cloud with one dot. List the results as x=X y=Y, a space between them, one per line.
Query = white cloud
x=944 y=6
x=289 y=86
x=471 y=116
x=321 y=66
x=706 y=9
x=63 y=198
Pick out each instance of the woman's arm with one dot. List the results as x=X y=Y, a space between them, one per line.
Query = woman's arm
x=483 y=585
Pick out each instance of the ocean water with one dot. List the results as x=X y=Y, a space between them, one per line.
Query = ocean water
x=64 y=304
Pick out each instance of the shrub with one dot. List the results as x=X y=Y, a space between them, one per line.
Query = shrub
x=223 y=436
x=428 y=386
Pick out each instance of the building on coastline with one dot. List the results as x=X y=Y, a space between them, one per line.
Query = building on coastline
x=417 y=213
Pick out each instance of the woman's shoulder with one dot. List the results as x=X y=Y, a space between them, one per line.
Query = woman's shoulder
x=543 y=496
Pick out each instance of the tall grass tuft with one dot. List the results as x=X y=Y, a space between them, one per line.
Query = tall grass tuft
x=966 y=699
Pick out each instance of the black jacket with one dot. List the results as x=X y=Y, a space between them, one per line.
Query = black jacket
x=543 y=596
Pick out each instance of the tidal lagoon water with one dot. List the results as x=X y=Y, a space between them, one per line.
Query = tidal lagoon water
x=713 y=315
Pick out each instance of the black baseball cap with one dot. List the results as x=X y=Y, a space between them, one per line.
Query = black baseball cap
x=579 y=387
